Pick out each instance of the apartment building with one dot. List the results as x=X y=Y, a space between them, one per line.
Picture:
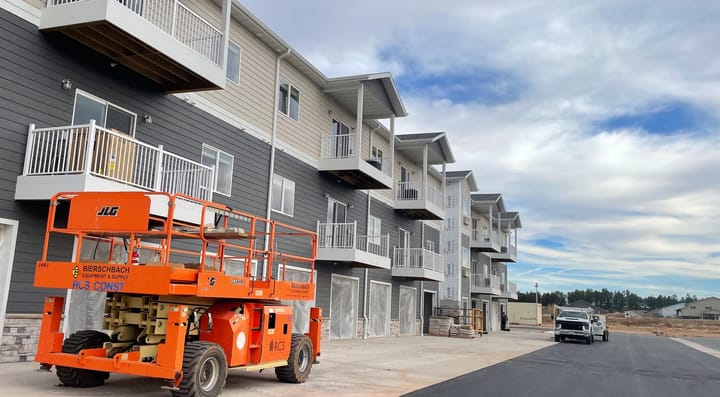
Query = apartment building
x=201 y=98
x=493 y=243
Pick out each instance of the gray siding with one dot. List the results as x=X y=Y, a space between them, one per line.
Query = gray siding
x=32 y=65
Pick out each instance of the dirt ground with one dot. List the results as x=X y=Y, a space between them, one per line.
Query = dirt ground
x=664 y=326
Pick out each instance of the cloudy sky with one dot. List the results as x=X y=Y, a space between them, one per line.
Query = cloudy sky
x=598 y=120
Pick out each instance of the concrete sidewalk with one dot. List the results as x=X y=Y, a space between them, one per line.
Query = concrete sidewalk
x=377 y=367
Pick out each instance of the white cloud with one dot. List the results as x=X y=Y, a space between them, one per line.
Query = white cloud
x=625 y=202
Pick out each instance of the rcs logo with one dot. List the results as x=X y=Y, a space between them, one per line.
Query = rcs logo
x=108 y=211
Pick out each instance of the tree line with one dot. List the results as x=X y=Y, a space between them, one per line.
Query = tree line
x=608 y=300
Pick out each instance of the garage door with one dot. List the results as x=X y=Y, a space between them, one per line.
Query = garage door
x=380 y=294
x=408 y=310
x=343 y=307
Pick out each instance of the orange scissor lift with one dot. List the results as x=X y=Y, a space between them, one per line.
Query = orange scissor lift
x=206 y=294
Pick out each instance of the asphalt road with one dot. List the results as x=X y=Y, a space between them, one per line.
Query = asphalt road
x=627 y=365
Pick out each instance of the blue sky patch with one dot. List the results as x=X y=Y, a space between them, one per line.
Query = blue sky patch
x=665 y=119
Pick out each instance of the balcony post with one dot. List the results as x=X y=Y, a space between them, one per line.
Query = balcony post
x=28 y=148
x=173 y=22
x=90 y=142
x=158 y=169
x=425 y=172
x=359 y=115
x=354 y=235
x=392 y=149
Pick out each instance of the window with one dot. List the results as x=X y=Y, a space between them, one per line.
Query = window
x=104 y=113
x=234 y=54
x=283 y=195
x=465 y=257
x=374 y=230
x=289 y=101
x=222 y=164
x=376 y=154
x=430 y=245
x=451 y=224
x=466 y=206
x=450 y=270
x=342 y=142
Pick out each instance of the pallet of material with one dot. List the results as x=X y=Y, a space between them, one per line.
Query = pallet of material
x=440 y=326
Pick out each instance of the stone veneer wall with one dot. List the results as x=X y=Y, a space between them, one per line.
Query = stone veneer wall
x=20 y=337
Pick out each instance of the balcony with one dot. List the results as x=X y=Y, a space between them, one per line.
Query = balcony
x=485 y=240
x=508 y=253
x=339 y=242
x=160 y=39
x=485 y=284
x=418 y=264
x=339 y=157
x=418 y=202
x=82 y=158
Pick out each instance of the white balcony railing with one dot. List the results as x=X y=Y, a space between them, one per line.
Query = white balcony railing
x=483 y=280
x=89 y=149
x=342 y=146
x=411 y=191
x=485 y=236
x=176 y=20
x=512 y=288
x=418 y=258
x=343 y=236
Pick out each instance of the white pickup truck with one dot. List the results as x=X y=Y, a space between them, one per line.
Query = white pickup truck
x=580 y=323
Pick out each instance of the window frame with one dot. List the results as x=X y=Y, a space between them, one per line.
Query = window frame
x=108 y=104
x=287 y=98
x=283 y=197
x=374 y=224
x=239 y=63
x=218 y=153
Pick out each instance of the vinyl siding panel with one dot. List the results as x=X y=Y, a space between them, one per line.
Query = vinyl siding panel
x=252 y=98
x=32 y=67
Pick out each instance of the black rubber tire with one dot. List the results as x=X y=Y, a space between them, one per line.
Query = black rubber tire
x=557 y=338
x=606 y=336
x=300 y=361
x=76 y=377
x=204 y=370
x=588 y=340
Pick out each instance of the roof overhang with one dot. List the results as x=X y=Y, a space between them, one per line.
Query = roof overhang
x=482 y=202
x=512 y=219
x=413 y=146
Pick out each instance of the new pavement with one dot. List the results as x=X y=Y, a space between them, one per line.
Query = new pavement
x=627 y=365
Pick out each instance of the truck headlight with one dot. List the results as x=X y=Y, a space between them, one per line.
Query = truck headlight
x=586 y=327
x=558 y=325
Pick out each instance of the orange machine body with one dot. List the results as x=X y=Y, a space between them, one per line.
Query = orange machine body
x=218 y=278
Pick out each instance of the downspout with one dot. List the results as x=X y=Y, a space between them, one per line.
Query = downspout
x=273 y=143
x=367 y=275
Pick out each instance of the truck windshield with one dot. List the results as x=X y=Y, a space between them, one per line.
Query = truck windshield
x=573 y=313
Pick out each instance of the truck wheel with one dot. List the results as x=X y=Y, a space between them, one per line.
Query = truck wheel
x=204 y=370
x=557 y=338
x=588 y=340
x=299 y=361
x=606 y=336
x=76 y=377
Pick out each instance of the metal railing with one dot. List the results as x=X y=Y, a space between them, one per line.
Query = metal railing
x=411 y=191
x=485 y=236
x=342 y=146
x=337 y=146
x=176 y=20
x=418 y=258
x=343 y=236
x=89 y=149
x=483 y=280
x=512 y=288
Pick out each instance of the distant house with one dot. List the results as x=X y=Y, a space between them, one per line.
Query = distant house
x=635 y=313
x=586 y=304
x=669 y=311
x=704 y=309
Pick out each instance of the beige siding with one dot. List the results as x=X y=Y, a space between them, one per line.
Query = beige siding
x=252 y=98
